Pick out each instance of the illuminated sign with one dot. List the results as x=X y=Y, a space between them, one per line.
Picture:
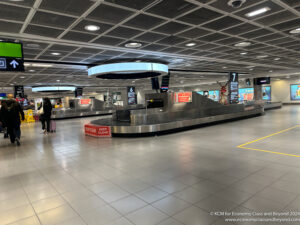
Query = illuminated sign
x=85 y=101
x=266 y=91
x=128 y=68
x=295 y=92
x=53 y=88
x=233 y=88
x=11 y=56
x=182 y=97
x=246 y=94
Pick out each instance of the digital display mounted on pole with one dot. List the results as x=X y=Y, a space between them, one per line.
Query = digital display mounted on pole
x=19 y=92
x=165 y=83
x=233 y=87
x=11 y=56
x=131 y=96
x=78 y=92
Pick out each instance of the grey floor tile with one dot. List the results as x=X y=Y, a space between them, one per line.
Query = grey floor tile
x=194 y=216
x=128 y=204
x=171 y=205
x=146 y=216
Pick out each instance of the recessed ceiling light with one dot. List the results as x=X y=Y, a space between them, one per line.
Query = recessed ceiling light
x=22 y=77
x=33 y=45
x=295 y=31
x=270 y=71
x=92 y=27
x=243 y=44
x=287 y=77
x=55 y=53
x=243 y=53
x=251 y=69
x=190 y=44
x=224 y=67
x=261 y=56
x=41 y=65
x=258 y=12
x=31 y=71
x=133 y=45
x=276 y=59
x=57 y=80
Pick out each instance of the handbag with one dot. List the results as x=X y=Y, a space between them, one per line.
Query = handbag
x=40 y=111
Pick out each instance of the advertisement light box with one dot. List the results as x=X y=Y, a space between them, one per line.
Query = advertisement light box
x=266 y=93
x=246 y=94
x=183 y=97
x=295 y=92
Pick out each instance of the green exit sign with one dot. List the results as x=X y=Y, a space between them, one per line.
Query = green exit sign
x=9 y=49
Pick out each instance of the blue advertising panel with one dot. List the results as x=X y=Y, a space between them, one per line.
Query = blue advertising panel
x=266 y=91
x=246 y=94
x=295 y=92
x=214 y=95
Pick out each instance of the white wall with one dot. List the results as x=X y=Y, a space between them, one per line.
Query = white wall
x=281 y=90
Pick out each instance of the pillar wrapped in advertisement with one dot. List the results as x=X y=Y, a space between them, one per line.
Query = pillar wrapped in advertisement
x=233 y=87
x=131 y=96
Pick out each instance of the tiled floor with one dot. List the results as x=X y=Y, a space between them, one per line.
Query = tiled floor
x=67 y=178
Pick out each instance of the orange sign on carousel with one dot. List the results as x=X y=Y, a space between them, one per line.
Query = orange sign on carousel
x=97 y=131
x=85 y=101
x=182 y=97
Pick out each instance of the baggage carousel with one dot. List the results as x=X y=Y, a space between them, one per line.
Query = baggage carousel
x=175 y=117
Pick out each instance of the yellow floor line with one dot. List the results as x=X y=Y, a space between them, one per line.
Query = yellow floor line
x=279 y=132
x=261 y=150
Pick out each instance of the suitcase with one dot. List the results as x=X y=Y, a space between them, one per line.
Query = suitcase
x=52 y=126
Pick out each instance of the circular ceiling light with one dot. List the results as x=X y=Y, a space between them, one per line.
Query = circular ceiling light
x=261 y=56
x=22 y=77
x=55 y=53
x=133 y=45
x=33 y=45
x=276 y=59
x=190 y=44
x=243 y=44
x=270 y=71
x=92 y=27
x=295 y=31
x=31 y=71
x=53 y=89
x=224 y=67
x=243 y=53
x=128 y=70
x=58 y=80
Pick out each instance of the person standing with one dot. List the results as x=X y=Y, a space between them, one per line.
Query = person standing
x=46 y=116
x=11 y=112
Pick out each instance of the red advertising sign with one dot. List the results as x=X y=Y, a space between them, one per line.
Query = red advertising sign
x=97 y=131
x=183 y=97
x=85 y=101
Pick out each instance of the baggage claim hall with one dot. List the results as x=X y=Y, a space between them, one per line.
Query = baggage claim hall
x=149 y=112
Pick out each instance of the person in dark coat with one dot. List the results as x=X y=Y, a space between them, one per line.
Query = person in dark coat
x=46 y=116
x=11 y=111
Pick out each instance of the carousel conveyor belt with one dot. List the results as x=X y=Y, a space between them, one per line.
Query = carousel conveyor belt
x=119 y=128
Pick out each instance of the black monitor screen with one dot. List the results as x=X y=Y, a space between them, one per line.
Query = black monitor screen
x=155 y=83
x=262 y=80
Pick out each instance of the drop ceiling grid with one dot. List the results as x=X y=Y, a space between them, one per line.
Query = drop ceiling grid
x=200 y=5
x=154 y=28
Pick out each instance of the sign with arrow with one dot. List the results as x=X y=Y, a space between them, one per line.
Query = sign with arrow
x=11 y=56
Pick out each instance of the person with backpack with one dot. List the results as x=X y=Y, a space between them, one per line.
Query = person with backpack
x=46 y=116
x=10 y=113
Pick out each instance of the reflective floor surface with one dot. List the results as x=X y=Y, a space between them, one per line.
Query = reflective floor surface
x=189 y=178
